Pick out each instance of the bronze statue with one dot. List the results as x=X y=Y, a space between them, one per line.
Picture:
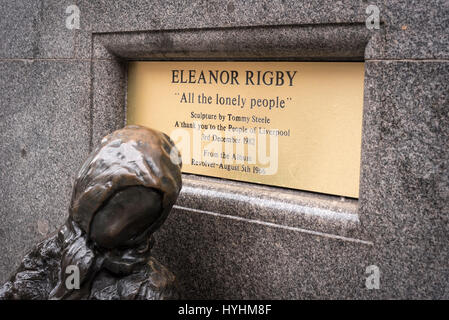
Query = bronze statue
x=122 y=194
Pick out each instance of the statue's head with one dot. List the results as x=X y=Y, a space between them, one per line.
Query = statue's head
x=126 y=188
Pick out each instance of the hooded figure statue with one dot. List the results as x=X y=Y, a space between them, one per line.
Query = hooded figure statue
x=122 y=194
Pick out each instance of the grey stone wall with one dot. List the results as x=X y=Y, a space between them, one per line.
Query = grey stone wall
x=62 y=90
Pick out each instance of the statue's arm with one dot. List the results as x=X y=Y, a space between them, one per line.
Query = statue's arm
x=34 y=277
x=26 y=283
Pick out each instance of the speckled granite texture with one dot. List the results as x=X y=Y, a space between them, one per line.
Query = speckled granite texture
x=406 y=156
x=44 y=112
x=62 y=90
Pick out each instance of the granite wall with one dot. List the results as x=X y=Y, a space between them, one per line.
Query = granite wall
x=63 y=89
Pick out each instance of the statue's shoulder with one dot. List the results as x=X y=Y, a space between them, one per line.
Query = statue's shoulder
x=162 y=280
x=158 y=283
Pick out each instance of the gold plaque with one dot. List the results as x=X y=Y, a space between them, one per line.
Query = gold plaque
x=289 y=124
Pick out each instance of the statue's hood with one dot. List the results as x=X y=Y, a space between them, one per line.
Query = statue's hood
x=132 y=156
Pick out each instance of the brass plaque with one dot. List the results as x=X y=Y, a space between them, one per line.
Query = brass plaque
x=289 y=124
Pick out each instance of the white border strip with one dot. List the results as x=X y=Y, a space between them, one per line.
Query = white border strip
x=269 y=224
x=315 y=212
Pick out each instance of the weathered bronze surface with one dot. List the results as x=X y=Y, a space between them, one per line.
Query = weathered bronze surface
x=122 y=194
